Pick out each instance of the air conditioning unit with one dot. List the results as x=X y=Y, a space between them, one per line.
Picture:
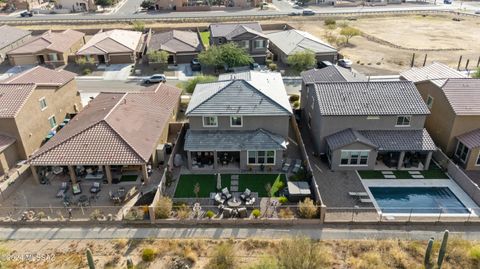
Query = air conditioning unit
x=161 y=153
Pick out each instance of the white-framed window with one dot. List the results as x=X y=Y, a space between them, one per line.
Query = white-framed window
x=261 y=157
x=462 y=152
x=244 y=44
x=354 y=157
x=373 y=117
x=259 y=44
x=236 y=121
x=210 y=121
x=429 y=101
x=477 y=163
x=43 y=103
x=52 y=121
x=53 y=57
x=403 y=121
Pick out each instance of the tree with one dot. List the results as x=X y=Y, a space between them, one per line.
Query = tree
x=477 y=73
x=228 y=55
x=349 y=32
x=104 y=3
x=160 y=57
x=189 y=85
x=302 y=60
x=147 y=4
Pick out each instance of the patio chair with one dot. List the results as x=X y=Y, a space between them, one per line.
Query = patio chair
x=95 y=187
x=297 y=166
x=366 y=200
x=242 y=212
x=286 y=165
x=218 y=199
x=246 y=194
x=227 y=212
x=76 y=189
x=226 y=193
x=62 y=190
x=250 y=201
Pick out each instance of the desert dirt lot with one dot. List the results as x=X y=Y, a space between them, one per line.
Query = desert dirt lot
x=243 y=254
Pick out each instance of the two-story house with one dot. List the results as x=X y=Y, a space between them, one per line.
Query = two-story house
x=453 y=100
x=238 y=122
x=368 y=125
x=11 y=38
x=34 y=104
x=246 y=35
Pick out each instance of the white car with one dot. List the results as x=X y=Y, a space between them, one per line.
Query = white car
x=477 y=12
x=157 y=78
x=345 y=63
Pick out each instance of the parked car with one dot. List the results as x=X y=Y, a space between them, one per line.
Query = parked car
x=323 y=64
x=157 y=78
x=295 y=13
x=254 y=66
x=297 y=6
x=345 y=63
x=195 y=65
x=477 y=12
x=308 y=12
x=448 y=2
x=26 y=14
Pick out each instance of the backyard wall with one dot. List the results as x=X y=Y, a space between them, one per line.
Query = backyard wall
x=14 y=181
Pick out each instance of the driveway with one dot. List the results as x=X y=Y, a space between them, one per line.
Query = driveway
x=117 y=72
x=15 y=70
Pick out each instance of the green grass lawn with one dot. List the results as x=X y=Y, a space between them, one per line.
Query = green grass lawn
x=434 y=172
x=205 y=36
x=208 y=184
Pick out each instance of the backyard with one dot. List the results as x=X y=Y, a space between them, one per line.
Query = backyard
x=208 y=184
x=205 y=36
x=434 y=172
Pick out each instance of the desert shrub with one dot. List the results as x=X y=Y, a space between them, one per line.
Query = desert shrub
x=183 y=212
x=210 y=214
x=223 y=257
x=160 y=57
x=256 y=213
x=138 y=26
x=330 y=21
x=41 y=215
x=302 y=60
x=285 y=213
x=268 y=62
x=302 y=253
x=283 y=200
x=96 y=215
x=163 y=208
x=86 y=71
x=148 y=255
x=272 y=66
x=120 y=244
x=474 y=253
x=307 y=209
x=265 y=262
x=294 y=97
x=134 y=214
x=190 y=255
x=296 y=104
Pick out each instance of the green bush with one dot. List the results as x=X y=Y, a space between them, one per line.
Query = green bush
x=268 y=62
x=302 y=60
x=148 y=255
x=86 y=71
x=307 y=209
x=272 y=66
x=156 y=56
x=210 y=214
x=265 y=262
x=296 y=104
x=474 y=253
x=223 y=257
x=256 y=213
x=294 y=97
x=189 y=85
x=138 y=26
x=330 y=22
x=163 y=208
x=283 y=200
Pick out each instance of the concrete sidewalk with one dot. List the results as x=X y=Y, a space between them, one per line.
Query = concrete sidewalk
x=220 y=233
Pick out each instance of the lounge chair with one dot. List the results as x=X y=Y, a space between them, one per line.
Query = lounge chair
x=296 y=166
x=226 y=194
x=286 y=165
x=218 y=199
x=351 y=193
x=227 y=212
x=62 y=190
x=242 y=212
x=95 y=187
x=246 y=194
x=250 y=201
x=76 y=189
x=365 y=200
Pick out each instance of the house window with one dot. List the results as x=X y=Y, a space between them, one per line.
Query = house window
x=236 y=121
x=210 y=121
x=462 y=152
x=478 y=160
x=53 y=57
x=261 y=157
x=430 y=101
x=403 y=121
x=52 y=121
x=354 y=157
x=244 y=44
x=259 y=44
x=43 y=103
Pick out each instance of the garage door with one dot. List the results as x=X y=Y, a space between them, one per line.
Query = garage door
x=22 y=60
x=120 y=59
x=185 y=59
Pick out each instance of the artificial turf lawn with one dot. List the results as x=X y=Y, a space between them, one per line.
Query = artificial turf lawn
x=208 y=184
x=205 y=36
x=128 y=178
x=434 y=172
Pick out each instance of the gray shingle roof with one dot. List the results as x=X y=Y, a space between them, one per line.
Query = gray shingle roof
x=346 y=137
x=369 y=98
x=463 y=94
x=237 y=97
x=224 y=29
x=434 y=71
x=400 y=140
x=199 y=140
x=330 y=74
x=11 y=34
x=292 y=41
x=470 y=139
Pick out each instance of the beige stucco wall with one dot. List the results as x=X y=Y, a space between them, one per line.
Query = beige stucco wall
x=472 y=160
x=8 y=158
x=169 y=4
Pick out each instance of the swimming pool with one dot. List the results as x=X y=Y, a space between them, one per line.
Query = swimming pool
x=423 y=200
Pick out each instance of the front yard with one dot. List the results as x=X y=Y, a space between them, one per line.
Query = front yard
x=434 y=172
x=208 y=183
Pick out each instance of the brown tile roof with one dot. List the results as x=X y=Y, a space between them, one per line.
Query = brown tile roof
x=5 y=142
x=11 y=34
x=114 y=129
x=113 y=41
x=175 y=41
x=60 y=42
x=463 y=94
x=13 y=97
x=43 y=76
x=470 y=139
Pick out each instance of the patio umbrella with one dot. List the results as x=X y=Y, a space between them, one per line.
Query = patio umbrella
x=219 y=181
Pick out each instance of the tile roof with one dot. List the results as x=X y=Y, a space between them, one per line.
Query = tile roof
x=470 y=139
x=200 y=140
x=5 y=141
x=251 y=98
x=13 y=97
x=11 y=34
x=292 y=41
x=114 y=129
x=176 y=41
x=436 y=72
x=463 y=94
x=345 y=138
x=233 y=29
x=331 y=73
x=400 y=140
x=369 y=98
x=43 y=76
x=113 y=41
x=60 y=42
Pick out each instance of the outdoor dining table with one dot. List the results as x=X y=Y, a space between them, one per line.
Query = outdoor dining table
x=234 y=202
x=82 y=200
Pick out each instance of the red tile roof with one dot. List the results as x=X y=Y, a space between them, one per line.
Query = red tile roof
x=43 y=76
x=114 y=129
x=12 y=98
x=60 y=42
x=463 y=94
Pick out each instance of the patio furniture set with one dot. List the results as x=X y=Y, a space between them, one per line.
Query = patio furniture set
x=293 y=165
x=230 y=204
x=83 y=200
x=118 y=196
x=361 y=196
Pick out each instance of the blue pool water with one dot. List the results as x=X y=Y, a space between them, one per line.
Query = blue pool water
x=424 y=200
